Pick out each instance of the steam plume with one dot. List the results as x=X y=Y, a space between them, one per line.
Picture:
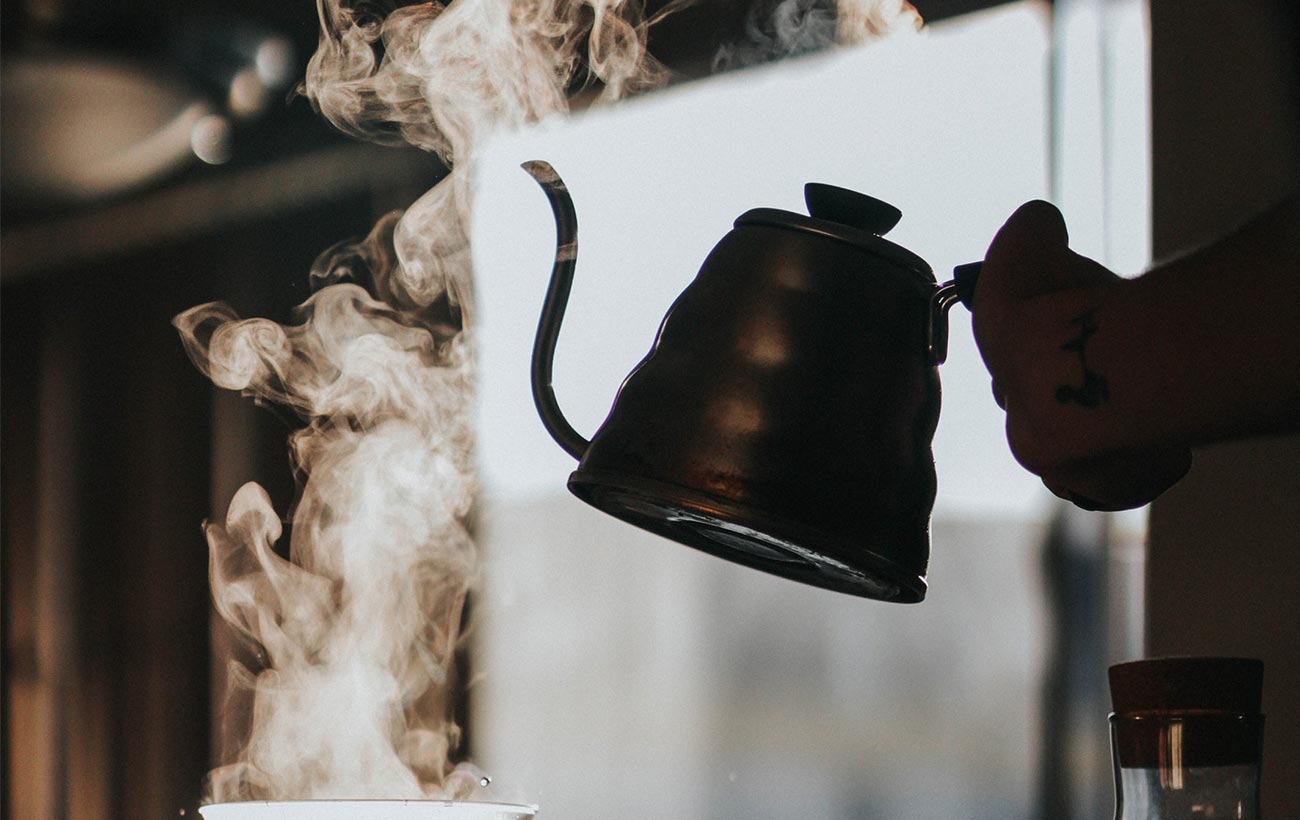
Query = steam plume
x=357 y=630
x=775 y=29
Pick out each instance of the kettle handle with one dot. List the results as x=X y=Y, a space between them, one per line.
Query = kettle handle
x=960 y=289
x=557 y=298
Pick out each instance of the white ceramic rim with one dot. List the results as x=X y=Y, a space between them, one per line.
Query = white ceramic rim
x=375 y=809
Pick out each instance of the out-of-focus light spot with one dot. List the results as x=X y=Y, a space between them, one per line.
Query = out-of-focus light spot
x=248 y=94
x=210 y=139
x=274 y=60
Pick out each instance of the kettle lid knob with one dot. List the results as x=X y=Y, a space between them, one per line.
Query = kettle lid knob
x=847 y=207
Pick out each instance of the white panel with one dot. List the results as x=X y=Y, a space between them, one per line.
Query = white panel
x=621 y=675
x=949 y=126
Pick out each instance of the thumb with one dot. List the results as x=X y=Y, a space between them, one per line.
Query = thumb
x=1029 y=256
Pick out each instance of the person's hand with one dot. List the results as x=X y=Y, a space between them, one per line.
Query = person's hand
x=1061 y=359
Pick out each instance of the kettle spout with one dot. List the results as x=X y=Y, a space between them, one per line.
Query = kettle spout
x=557 y=299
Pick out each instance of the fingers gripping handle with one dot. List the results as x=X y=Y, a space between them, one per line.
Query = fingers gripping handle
x=964 y=279
x=960 y=289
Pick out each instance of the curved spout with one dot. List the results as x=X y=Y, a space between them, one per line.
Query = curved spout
x=557 y=298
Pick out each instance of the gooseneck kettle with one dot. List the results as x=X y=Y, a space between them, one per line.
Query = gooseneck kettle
x=783 y=417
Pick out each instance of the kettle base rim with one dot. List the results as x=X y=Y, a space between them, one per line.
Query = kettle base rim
x=746 y=536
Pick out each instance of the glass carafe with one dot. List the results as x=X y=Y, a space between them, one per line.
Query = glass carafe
x=1186 y=739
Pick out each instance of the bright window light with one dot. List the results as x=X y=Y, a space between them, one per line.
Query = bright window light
x=621 y=675
x=949 y=125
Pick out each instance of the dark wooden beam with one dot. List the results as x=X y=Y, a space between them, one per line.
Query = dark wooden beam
x=689 y=39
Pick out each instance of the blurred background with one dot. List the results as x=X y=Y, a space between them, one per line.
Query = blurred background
x=155 y=158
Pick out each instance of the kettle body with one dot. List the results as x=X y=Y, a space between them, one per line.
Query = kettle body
x=783 y=416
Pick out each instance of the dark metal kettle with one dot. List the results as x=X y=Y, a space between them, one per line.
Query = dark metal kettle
x=783 y=417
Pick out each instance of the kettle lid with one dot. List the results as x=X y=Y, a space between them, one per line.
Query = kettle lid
x=847 y=216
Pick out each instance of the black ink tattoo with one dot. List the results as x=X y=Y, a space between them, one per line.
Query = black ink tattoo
x=1094 y=390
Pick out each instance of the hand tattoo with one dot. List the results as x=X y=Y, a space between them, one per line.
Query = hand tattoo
x=1094 y=390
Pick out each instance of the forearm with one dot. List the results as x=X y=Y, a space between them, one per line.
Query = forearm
x=1213 y=338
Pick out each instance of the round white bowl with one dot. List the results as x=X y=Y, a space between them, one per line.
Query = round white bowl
x=366 y=810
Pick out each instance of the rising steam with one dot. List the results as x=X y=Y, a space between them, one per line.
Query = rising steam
x=775 y=29
x=356 y=632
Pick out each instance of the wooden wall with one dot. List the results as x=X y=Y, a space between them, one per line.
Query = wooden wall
x=1224 y=563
